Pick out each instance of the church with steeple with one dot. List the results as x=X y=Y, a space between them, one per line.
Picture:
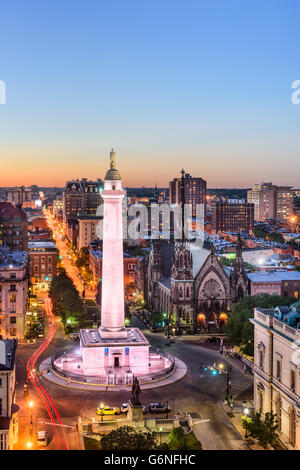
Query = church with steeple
x=187 y=281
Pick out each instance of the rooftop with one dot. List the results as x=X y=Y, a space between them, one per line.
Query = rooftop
x=91 y=337
x=8 y=348
x=39 y=244
x=12 y=259
x=10 y=212
x=274 y=276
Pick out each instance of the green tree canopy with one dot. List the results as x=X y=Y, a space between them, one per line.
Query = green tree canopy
x=264 y=430
x=240 y=332
x=127 y=438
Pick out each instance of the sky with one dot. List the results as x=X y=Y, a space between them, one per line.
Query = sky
x=203 y=85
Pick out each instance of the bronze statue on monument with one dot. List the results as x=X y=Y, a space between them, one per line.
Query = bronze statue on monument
x=135 y=393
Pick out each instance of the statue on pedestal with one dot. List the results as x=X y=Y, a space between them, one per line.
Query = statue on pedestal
x=135 y=393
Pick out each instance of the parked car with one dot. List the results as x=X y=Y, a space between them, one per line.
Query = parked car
x=212 y=339
x=108 y=410
x=159 y=407
x=125 y=408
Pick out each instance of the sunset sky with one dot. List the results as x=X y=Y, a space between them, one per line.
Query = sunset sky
x=203 y=85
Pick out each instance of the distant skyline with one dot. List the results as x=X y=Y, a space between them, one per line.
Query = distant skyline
x=193 y=84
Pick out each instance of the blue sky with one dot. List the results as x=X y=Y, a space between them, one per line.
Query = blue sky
x=204 y=85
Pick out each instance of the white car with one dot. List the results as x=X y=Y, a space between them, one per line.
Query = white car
x=159 y=408
x=125 y=408
x=42 y=438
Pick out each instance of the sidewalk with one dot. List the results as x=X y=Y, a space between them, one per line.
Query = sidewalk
x=178 y=373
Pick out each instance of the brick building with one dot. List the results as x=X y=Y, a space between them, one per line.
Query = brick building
x=232 y=217
x=194 y=191
x=129 y=267
x=13 y=227
x=43 y=255
x=283 y=283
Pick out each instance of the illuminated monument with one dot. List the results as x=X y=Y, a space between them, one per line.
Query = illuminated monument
x=113 y=349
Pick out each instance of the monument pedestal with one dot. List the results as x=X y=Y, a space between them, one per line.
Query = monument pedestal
x=135 y=414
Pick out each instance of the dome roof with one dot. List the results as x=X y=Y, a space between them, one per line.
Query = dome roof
x=112 y=173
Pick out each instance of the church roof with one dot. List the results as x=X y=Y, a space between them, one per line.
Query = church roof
x=199 y=256
x=167 y=251
x=165 y=282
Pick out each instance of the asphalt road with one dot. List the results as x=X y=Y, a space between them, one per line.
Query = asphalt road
x=197 y=393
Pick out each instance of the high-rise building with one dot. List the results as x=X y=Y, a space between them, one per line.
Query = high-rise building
x=271 y=201
x=81 y=197
x=13 y=227
x=17 y=196
x=232 y=217
x=194 y=191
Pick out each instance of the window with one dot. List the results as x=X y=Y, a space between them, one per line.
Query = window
x=12 y=308
x=36 y=269
x=1 y=410
x=13 y=332
x=278 y=369
x=13 y=320
x=12 y=288
x=292 y=380
x=13 y=297
x=49 y=259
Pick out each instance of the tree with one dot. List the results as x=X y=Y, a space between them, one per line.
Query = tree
x=127 y=438
x=263 y=430
x=240 y=332
x=181 y=441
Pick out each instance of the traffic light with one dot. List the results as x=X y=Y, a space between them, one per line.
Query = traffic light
x=214 y=372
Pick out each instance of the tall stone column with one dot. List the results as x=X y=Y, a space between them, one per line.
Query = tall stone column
x=112 y=303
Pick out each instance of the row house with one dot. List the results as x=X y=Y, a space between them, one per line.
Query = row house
x=14 y=280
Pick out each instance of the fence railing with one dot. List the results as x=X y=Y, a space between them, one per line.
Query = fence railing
x=111 y=379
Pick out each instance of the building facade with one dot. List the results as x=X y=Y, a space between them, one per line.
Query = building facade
x=14 y=279
x=276 y=368
x=87 y=229
x=271 y=202
x=232 y=217
x=8 y=407
x=13 y=227
x=43 y=256
x=283 y=283
x=187 y=281
x=95 y=264
x=194 y=191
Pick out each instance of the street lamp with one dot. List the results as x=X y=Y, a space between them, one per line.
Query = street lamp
x=31 y=405
x=160 y=431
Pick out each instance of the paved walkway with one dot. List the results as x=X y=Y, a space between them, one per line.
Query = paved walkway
x=178 y=373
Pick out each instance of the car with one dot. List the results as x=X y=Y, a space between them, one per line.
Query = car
x=212 y=339
x=42 y=438
x=125 y=408
x=108 y=410
x=159 y=407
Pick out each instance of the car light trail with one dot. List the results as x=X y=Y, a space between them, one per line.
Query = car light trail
x=59 y=435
